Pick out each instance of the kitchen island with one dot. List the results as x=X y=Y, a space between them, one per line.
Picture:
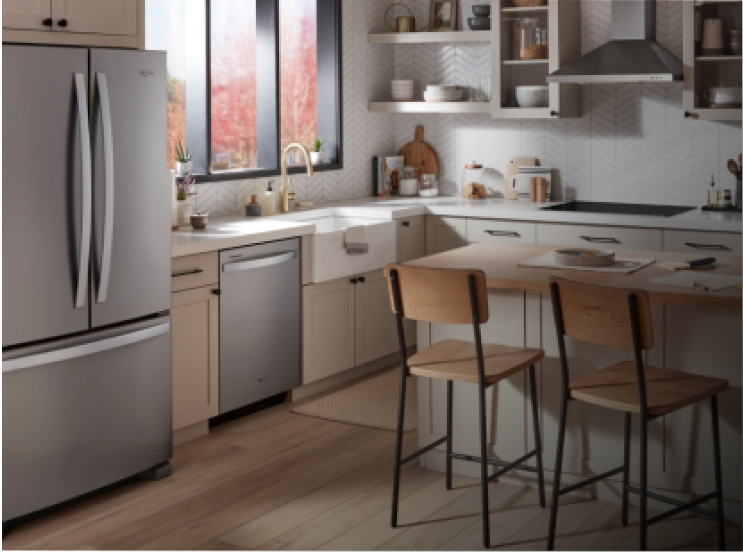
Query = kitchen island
x=694 y=330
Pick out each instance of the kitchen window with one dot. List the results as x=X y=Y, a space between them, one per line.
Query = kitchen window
x=248 y=77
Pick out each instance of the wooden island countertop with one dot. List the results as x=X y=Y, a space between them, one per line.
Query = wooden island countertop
x=500 y=263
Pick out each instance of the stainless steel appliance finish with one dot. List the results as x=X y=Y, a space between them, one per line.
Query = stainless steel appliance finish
x=632 y=54
x=131 y=257
x=86 y=272
x=259 y=322
x=84 y=412
x=43 y=208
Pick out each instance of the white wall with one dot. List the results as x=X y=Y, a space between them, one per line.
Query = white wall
x=632 y=144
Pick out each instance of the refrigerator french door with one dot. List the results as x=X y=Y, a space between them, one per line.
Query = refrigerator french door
x=86 y=271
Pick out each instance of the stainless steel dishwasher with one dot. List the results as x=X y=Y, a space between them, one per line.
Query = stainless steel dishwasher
x=259 y=322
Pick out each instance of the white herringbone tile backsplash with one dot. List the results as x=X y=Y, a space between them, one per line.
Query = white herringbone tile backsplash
x=632 y=143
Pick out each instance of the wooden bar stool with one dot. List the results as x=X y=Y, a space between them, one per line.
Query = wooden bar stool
x=621 y=318
x=457 y=297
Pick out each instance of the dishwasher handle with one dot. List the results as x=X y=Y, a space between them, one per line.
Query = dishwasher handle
x=261 y=262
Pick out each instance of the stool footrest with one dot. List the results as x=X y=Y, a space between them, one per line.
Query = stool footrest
x=512 y=465
x=424 y=450
x=590 y=480
x=693 y=506
x=500 y=463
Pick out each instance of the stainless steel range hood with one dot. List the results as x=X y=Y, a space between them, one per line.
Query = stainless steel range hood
x=632 y=54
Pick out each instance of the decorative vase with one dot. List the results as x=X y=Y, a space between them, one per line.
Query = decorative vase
x=317 y=157
x=184 y=212
x=184 y=168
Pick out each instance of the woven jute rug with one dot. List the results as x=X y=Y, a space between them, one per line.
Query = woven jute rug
x=371 y=403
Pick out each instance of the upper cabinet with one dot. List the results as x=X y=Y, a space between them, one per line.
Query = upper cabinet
x=528 y=44
x=108 y=23
x=712 y=61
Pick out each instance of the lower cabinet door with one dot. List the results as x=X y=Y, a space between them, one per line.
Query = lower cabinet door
x=444 y=234
x=376 y=330
x=328 y=329
x=195 y=322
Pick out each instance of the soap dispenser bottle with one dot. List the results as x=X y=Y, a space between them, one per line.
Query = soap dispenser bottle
x=269 y=201
x=713 y=195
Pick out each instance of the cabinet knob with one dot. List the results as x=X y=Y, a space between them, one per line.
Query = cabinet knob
x=687 y=114
x=362 y=279
x=217 y=291
x=354 y=281
x=48 y=22
x=406 y=224
x=553 y=113
x=62 y=22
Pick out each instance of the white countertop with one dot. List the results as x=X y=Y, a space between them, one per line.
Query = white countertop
x=237 y=231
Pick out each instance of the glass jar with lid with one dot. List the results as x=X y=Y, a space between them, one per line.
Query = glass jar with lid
x=429 y=186
x=527 y=38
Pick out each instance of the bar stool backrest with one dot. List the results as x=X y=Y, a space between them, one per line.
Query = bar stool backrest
x=602 y=315
x=438 y=295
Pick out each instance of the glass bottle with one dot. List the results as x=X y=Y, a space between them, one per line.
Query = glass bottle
x=713 y=195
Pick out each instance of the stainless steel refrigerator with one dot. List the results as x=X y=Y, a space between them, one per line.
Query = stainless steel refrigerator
x=86 y=272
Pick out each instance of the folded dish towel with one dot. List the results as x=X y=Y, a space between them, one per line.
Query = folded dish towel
x=356 y=242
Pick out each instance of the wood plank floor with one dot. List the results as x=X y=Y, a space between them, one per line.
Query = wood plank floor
x=277 y=480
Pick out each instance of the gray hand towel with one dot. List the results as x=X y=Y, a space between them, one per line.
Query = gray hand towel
x=356 y=241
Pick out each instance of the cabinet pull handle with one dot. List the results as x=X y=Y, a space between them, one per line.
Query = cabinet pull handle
x=362 y=279
x=48 y=22
x=715 y=247
x=354 y=281
x=406 y=224
x=62 y=23
x=189 y=273
x=553 y=113
x=217 y=291
x=599 y=240
x=503 y=233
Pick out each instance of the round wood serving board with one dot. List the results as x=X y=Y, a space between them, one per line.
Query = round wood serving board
x=418 y=154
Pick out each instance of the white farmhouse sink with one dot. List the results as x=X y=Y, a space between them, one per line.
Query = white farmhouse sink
x=329 y=257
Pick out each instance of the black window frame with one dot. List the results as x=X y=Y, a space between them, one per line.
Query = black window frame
x=329 y=111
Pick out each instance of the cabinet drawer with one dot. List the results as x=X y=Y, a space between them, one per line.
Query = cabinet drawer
x=479 y=230
x=705 y=243
x=604 y=237
x=195 y=271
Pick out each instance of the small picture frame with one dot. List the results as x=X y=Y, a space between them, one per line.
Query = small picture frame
x=444 y=15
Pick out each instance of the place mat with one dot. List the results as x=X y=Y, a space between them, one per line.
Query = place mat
x=371 y=403
x=708 y=282
x=622 y=265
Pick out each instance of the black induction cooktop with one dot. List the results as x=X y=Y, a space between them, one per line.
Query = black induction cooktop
x=619 y=208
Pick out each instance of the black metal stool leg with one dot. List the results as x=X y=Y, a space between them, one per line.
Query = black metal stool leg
x=558 y=473
x=718 y=474
x=398 y=448
x=625 y=476
x=537 y=434
x=484 y=469
x=449 y=424
x=644 y=483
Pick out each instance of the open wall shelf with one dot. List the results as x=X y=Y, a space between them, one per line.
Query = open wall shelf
x=429 y=107
x=428 y=37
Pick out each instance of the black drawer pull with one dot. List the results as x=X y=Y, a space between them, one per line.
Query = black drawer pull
x=48 y=22
x=354 y=281
x=710 y=246
x=503 y=233
x=599 y=240
x=62 y=23
x=189 y=273
x=362 y=279
x=406 y=224
x=217 y=292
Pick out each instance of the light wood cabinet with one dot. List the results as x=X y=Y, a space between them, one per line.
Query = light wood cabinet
x=411 y=239
x=27 y=14
x=702 y=72
x=444 y=233
x=508 y=72
x=104 y=23
x=328 y=329
x=195 y=335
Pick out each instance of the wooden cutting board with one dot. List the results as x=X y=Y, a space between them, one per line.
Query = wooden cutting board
x=513 y=169
x=419 y=154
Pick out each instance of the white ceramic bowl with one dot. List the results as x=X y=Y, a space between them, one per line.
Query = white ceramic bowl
x=405 y=89
x=449 y=97
x=533 y=96
x=441 y=88
x=402 y=97
x=726 y=93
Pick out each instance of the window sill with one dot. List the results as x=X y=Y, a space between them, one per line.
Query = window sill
x=258 y=173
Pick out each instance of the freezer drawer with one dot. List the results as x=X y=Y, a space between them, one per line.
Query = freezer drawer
x=83 y=413
x=259 y=322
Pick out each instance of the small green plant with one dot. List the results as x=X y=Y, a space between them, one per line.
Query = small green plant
x=185 y=188
x=317 y=144
x=181 y=154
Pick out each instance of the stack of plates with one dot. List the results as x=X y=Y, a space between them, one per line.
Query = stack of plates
x=402 y=90
x=443 y=93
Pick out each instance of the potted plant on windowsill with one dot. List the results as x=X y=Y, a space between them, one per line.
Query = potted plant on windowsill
x=183 y=189
x=183 y=158
x=317 y=155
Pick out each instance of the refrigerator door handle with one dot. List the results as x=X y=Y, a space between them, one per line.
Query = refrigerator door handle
x=108 y=156
x=85 y=349
x=87 y=192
